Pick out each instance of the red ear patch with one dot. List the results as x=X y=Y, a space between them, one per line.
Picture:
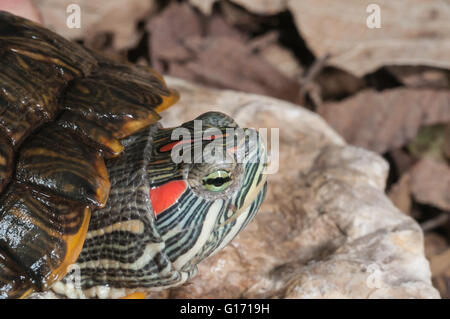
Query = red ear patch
x=166 y=195
x=168 y=147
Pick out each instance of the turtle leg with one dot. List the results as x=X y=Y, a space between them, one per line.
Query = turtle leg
x=13 y=280
x=41 y=236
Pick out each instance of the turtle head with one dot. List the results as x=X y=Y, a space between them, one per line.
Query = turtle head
x=207 y=182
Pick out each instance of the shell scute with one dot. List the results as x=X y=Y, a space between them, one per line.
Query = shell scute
x=63 y=109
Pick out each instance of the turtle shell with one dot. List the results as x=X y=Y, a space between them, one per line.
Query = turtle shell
x=63 y=109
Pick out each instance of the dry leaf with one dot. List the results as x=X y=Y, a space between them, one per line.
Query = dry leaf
x=442 y=283
x=266 y=7
x=440 y=268
x=446 y=145
x=214 y=54
x=429 y=143
x=226 y=62
x=115 y=17
x=169 y=30
x=413 y=32
x=218 y=27
x=283 y=60
x=421 y=76
x=430 y=183
x=400 y=194
x=403 y=161
x=336 y=84
x=434 y=244
x=205 y=6
x=385 y=120
x=440 y=263
x=241 y=18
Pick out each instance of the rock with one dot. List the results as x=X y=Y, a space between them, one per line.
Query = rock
x=326 y=228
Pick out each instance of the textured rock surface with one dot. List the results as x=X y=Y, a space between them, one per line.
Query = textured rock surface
x=326 y=228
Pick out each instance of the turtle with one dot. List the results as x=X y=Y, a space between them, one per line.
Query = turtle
x=97 y=198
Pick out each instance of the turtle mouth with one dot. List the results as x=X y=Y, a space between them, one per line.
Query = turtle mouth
x=256 y=196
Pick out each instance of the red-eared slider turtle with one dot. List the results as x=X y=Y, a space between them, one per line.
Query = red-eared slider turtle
x=166 y=198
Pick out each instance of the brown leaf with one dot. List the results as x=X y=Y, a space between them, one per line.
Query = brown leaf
x=205 y=6
x=381 y=121
x=439 y=264
x=169 y=30
x=402 y=160
x=279 y=57
x=400 y=194
x=241 y=18
x=421 y=76
x=442 y=283
x=115 y=17
x=266 y=7
x=413 y=32
x=226 y=62
x=434 y=244
x=430 y=183
x=218 y=27
x=336 y=83
x=446 y=145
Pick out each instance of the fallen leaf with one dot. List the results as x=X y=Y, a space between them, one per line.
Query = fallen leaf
x=429 y=143
x=412 y=32
x=336 y=83
x=266 y=7
x=446 y=144
x=282 y=59
x=442 y=283
x=385 y=120
x=241 y=18
x=116 y=17
x=205 y=6
x=218 y=27
x=400 y=194
x=430 y=183
x=434 y=244
x=215 y=54
x=439 y=264
x=228 y=63
x=169 y=30
x=403 y=161
x=421 y=76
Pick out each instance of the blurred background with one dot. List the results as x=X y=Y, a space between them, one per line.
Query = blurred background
x=379 y=75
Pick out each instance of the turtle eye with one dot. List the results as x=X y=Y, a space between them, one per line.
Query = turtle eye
x=217 y=181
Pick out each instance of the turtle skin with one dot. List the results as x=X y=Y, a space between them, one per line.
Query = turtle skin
x=63 y=110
